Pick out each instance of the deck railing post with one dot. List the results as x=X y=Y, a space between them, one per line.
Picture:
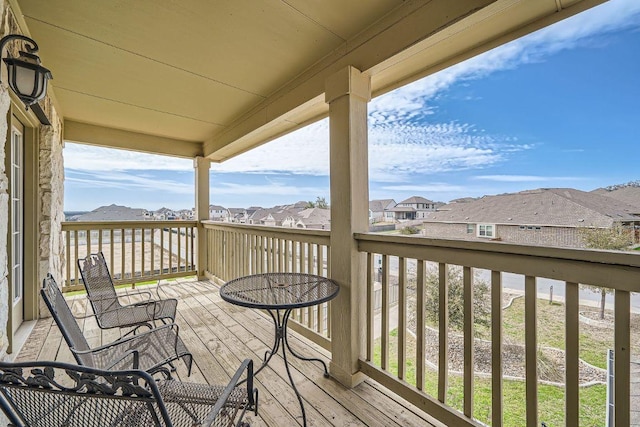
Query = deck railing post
x=201 y=166
x=347 y=93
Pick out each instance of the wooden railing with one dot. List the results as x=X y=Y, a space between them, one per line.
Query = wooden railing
x=412 y=263
x=236 y=250
x=135 y=251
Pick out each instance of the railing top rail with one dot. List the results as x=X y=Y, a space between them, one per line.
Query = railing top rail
x=574 y=254
x=264 y=228
x=95 y=225
x=612 y=269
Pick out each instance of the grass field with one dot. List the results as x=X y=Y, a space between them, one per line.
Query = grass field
x=594 y=342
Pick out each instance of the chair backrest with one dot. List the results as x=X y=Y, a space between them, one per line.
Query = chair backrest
x=98 y=283
x=60 y=394
x=64 y=319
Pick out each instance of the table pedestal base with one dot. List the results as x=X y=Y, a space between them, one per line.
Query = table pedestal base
x=280 y=321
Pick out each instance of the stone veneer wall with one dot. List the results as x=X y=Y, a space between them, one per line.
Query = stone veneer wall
x=51 y=196
x=4 y=223
x=51 y=181
x=4 y=213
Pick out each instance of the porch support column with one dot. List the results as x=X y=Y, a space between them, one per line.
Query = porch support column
x=347 y=93
x=201 y=166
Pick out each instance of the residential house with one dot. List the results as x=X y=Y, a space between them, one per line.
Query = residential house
x=236 y=215
x=312 y=218
x=546 y=216
x=185 y=214
x=413 y=208
x=218 y=213
x=165 y=214
x=271 y=217
x=381 y=210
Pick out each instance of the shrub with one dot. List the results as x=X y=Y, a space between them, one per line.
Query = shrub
x=409 y=230
x=481 y=300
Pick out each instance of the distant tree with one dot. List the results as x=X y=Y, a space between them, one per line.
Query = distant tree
x=615 y=238
x=310 y=205
x=481 y=301
x=321 y=203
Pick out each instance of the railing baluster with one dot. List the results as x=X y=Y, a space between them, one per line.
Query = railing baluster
x=309 y=257
x=420 y=325
x=192 y=243
x=170 y=249
x=152 y=246
x=179 y=239
x=68 y=260
x=88 y=247
x=75 y=248
x=443 y=331
x=384 y=311
x=302 y=258
x=162 y=251
x=467 y=279
x=622 y=358
x=531 y=348
x=496 y=349
x=111 y=250
x=402 y=318
x=571 y=363
x=143 y=231
x=370 y=307
x=123 y=252
x=133 y=253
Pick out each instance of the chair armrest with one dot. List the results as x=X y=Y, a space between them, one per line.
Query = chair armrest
x=147 y=293
x=246 y=365
x=124 y=340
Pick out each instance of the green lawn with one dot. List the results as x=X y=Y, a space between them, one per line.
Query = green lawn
x=593 y=346
x=550 y=398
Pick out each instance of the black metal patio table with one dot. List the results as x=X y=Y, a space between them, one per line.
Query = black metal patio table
x=279 y=294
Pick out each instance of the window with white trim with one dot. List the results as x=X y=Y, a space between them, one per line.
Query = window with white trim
x=486 y=230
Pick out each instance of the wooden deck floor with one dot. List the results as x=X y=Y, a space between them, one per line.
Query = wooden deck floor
x=220 y=335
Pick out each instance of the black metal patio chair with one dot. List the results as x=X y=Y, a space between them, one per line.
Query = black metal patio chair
x=109 y=312
x=55 y=394
x=148 y=351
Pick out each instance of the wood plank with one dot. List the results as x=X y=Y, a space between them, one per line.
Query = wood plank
x=572 y=367
x=531 y=348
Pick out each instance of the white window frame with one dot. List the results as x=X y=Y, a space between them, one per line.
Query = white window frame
x=483 y=228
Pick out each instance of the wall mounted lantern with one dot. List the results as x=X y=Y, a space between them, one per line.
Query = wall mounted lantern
x=26 y=77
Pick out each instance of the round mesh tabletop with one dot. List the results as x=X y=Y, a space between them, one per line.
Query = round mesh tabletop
x=279 y=290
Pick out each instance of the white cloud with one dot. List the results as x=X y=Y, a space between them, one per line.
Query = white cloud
x=305 y=151
x=437 y=187
x=271 y=189
x=126 y=182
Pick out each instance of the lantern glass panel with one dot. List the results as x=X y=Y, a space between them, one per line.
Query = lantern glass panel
x=26 y=80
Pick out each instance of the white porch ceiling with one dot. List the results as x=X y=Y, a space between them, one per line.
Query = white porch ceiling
x=216 y=78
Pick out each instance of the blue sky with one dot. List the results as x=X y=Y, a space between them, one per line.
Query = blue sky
x=557 y=108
